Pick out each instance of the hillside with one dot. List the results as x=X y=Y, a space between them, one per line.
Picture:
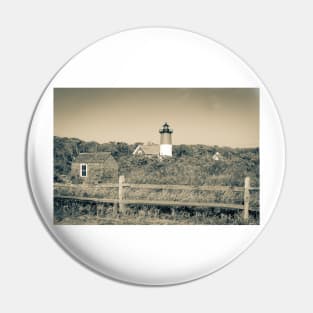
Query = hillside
x=190 y=164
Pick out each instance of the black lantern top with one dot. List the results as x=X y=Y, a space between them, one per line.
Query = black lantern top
x=165 y=129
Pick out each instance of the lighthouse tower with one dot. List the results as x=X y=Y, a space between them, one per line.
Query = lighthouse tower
x=166 y=140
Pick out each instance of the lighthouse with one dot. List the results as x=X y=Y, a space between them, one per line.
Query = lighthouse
x=166 y=140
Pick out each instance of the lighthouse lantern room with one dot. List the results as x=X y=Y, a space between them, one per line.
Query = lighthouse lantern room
x=166 y=140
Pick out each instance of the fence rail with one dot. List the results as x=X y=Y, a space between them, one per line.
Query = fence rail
x=185 y=187
x=123 y=202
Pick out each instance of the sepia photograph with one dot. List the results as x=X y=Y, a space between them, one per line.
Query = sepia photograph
x=162 y=156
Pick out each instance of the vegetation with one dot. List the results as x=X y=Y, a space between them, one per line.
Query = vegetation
x=190 y=165
x=142 y=218
x=89 y=212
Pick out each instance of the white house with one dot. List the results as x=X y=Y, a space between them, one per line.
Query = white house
x=147 y=149
x=216 y=156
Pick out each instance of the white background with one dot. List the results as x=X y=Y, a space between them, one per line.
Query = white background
x=274 y=38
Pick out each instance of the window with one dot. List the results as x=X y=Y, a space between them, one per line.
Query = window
x=83 y=170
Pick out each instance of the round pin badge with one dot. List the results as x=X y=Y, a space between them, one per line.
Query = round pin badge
x=155 y=156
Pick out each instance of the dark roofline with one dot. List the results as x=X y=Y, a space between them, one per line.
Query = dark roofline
x=92 y=157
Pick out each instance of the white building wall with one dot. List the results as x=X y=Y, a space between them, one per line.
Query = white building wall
x=166 y=149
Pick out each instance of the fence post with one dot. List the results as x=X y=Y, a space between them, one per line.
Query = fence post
x=115 y=208
x=173 y=213
x=246 y=199
x=72 y=209
x=121 y=181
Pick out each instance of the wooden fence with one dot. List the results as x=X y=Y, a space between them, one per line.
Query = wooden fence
x=122 y=202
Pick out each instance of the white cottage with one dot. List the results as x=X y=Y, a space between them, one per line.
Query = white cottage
x=216 y=156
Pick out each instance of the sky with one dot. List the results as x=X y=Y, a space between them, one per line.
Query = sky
x=210 y=116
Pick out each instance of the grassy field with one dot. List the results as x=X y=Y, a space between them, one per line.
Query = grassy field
x=89 y=212
x=164 y=220
x=145 y=215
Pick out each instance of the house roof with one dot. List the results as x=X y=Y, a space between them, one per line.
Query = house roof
x=96 y=157
x=151 y=149
x=216 y=156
